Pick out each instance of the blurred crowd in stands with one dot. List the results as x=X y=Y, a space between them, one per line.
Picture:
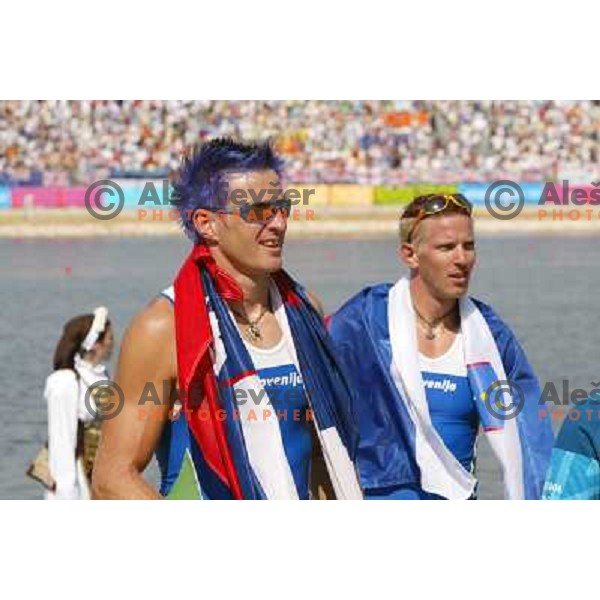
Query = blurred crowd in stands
x=76 y=142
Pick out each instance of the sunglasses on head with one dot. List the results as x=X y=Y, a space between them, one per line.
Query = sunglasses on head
x=425 y=206
x=259 y=213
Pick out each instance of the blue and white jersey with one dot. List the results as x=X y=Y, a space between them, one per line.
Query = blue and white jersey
x=450 y=400
x=281 y=413
x=284 y=388
x=453 y=414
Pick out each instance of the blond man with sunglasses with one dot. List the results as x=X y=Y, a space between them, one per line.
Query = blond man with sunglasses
x=432 y=367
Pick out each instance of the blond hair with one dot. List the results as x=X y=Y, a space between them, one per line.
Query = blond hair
x=412 y=214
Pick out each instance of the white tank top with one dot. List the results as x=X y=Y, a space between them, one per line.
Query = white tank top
x=285 y=391
x=268 y=358
x=283 y=383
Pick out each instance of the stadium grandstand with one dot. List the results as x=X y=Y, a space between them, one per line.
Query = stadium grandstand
x=66 y=143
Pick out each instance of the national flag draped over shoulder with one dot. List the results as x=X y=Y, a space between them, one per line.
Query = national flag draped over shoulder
x=212 y=360
x=375 y=339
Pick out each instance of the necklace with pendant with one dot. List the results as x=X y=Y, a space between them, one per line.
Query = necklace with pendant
x=432 y=325
x=253 y=333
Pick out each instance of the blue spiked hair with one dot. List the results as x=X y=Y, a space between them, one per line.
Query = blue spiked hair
x=201 y=178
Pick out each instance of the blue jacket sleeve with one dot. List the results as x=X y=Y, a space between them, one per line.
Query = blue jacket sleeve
x=574 y=472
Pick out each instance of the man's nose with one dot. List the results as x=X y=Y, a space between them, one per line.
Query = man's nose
x=460 y=256
x=279 y=221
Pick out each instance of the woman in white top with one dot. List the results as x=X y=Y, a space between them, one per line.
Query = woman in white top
x=86 y=341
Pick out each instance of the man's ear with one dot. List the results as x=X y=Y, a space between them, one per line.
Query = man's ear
x=408 y=255
x=204 y=223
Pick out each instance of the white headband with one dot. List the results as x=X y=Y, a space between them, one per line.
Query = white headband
x=98 y=326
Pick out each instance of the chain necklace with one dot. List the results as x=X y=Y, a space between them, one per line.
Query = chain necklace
x=253 y=333
x=432 y=325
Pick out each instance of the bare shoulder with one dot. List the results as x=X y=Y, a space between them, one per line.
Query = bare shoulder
x=316 y=302
x=150 y=337
x=155 y=320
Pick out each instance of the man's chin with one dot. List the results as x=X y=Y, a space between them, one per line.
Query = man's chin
x=267 y=265
x=273 y=265
x=458 y=290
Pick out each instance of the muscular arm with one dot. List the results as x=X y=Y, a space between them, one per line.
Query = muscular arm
x=147 y=360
